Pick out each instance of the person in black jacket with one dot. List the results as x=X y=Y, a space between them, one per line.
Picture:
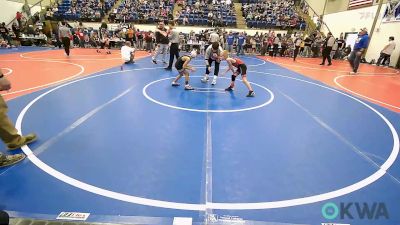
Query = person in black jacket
x=327 y=48
x=161 y=41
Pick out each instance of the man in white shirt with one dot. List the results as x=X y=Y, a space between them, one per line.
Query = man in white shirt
x=212 y=54
x=214 y=37
x=277 y=40
x=297 y=43
x=335 y=48
x=128 y=53
x=387 y=51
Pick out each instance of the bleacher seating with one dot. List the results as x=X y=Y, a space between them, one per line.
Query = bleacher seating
x=222 y=14
x=84 y=10
x=144 y=12
x=262 y=14
x=271 y=14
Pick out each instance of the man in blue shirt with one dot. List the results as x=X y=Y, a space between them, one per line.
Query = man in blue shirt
x=229 y=40
x=241 y=41
x=359 y=48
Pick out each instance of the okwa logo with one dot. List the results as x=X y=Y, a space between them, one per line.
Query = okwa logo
x=355 y=210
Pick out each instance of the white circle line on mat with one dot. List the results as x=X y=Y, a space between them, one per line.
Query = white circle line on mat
x=229 y=206
x=9 y=71
x=336 y=80
x=71 y=57
x=82 y=70
x=317 y=67
x=346 y=66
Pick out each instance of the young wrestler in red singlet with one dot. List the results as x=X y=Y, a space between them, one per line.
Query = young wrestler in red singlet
x=241 y=68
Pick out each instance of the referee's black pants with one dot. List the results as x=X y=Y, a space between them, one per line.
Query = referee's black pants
x=326 y=54
x=66 y=42
x=216 y=70
x=296 y=52
x=173 y=51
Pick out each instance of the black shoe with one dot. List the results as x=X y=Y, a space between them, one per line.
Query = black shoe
x=251 y=94
x=168 y=68
x=175 y=84
x=229 y=88
x=330 y=64
x=322 y=64
x=154 y=61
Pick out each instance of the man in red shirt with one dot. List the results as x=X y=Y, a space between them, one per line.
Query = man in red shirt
x=19 y=18
x=81 y=37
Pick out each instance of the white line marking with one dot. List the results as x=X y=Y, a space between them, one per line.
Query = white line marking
x=209 y=176
x=342 y=65
x=333 y=131
x=209 y=91
x=319 y=68
x=263 y=62
x=9 y=71
x=231 y=206
x=77 y=123
x=363 y=96
x=207 y=110
x=48 y=84
x=71 y=57
x=333 y=194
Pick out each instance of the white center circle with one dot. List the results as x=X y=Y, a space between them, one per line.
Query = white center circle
x=269 y=101
x=202 y=64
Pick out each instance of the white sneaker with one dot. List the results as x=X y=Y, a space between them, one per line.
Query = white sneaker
x=204 y=79
x=214 y=82
x=188 y=87
x=353 y=73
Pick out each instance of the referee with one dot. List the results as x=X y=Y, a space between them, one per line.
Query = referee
x=65 y=33
x=173 y=36
x=326 y=52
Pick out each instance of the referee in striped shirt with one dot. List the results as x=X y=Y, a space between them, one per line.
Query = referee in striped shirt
x=327 y=48
x=65 y=33
x=173 y=36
